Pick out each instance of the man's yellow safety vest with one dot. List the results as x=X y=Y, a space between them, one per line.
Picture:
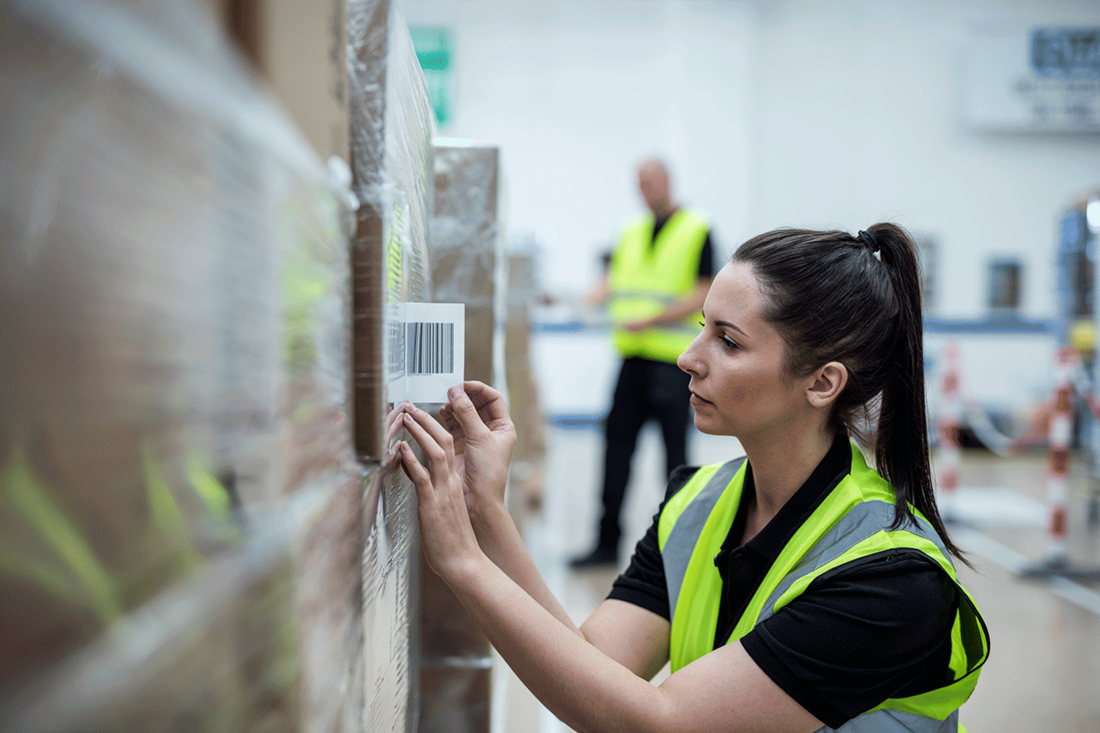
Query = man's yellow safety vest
x=644 y=278
x=853 y=522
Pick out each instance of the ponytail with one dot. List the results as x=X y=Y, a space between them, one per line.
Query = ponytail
x=901 y=443
x=857 y=300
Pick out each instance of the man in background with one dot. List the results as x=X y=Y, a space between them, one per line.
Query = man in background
x=657 y=280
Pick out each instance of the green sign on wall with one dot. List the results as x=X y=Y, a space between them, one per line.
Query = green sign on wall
x=433 y=51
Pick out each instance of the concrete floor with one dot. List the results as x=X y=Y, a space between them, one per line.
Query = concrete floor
x=1044 y=670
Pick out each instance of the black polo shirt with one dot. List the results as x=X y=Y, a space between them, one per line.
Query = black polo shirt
x=861 y=634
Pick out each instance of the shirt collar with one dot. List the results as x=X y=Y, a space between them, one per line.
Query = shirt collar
x=770 y=541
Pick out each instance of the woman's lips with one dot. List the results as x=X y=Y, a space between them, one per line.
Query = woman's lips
x=697 y=400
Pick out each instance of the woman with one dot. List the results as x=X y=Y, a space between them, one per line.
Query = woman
x=797 y=590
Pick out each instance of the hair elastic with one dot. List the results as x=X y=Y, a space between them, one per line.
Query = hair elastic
x=869 y=241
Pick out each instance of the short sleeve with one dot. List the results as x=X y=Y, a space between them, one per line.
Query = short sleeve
x=878 y=629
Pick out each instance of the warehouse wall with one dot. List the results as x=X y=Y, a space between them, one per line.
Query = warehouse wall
x=576 y=93
x=779 y=113
x=800 y=112
x=857 y=118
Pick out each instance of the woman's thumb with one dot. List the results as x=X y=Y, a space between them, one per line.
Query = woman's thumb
x=466 y=413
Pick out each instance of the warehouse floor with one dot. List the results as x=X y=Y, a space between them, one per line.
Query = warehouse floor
x=1044 y=669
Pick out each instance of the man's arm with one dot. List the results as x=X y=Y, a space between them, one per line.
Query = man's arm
x=600 y=293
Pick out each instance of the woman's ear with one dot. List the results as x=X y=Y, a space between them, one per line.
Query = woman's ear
x=828 y=382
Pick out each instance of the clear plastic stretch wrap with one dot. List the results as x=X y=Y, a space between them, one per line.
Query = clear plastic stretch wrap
x=467 y=243
x=391 y=129
x=391 y=132
x=188 y=539
x=466 y=251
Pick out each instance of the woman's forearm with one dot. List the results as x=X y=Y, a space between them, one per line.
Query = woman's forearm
x=580 y=684
x=500 y=540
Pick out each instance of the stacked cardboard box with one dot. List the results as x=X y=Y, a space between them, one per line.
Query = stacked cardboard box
x=159 y=323
x=190 y=537
x=299 y=48
x=526 y=482
x=465 y=251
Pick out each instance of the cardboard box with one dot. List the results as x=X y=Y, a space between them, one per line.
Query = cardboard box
x=176 y=284
x=163 y=357
x=466 y=243
x=299 y=47
x=456 y=699
x=391 y=124
x=465 y=250
x=526 y=480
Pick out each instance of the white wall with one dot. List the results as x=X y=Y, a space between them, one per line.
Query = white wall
x=857 y=119
x=817 y=113
x=577 y=93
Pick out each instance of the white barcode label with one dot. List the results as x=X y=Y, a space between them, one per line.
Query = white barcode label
x=395 y=345
x=429 y=348
x=427 y=351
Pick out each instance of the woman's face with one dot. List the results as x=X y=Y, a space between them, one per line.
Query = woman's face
x=738 y=380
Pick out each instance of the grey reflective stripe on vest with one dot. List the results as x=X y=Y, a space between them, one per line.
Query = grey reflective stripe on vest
x=861 y=523
x=643 y=295
x=685 y=533
x=892 y=721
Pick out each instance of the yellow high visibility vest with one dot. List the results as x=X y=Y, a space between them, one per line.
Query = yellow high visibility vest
x=644 y=278
x=853 y=522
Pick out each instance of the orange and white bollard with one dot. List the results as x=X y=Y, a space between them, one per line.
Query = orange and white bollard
x=1059 y=435
x=949 y=427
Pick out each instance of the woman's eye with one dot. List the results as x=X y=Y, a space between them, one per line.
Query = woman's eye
x=729 y=343
x=702 y=324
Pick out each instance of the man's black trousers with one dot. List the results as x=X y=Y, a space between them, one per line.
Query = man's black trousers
x=645 y=390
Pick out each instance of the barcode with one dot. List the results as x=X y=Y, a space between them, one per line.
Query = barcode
x=396 y=355
x=430 y=348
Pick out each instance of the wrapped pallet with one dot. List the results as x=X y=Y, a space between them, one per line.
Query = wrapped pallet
x=190 y=537
x=465 y=251
x=173 y=259
x=526 y=480
x=391 y=131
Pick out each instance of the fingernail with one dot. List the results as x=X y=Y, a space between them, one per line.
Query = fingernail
x=454 y=392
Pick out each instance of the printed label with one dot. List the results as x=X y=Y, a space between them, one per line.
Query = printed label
x=427 y=351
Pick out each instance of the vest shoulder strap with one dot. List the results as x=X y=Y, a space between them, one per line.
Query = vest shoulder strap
x=684 y=517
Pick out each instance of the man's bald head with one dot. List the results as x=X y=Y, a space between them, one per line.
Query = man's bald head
x=655 y=187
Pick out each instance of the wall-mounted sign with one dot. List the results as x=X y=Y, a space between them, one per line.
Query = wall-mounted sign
x=434 y=52
x=1039 y=80
x=1066 y=53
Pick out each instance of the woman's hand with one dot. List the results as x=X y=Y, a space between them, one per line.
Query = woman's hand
x=484 y=436
x=445 y=530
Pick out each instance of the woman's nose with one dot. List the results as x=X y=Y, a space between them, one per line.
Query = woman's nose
x=688 y=361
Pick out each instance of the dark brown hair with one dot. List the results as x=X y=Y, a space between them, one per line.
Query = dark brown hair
x=857 y=300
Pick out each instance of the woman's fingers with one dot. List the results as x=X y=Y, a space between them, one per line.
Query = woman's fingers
x=440 y=453
x=394 y=424
x=439 y=433
x=487 y=401
x=447 y=417
x=416 y=472
x=466 y=414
